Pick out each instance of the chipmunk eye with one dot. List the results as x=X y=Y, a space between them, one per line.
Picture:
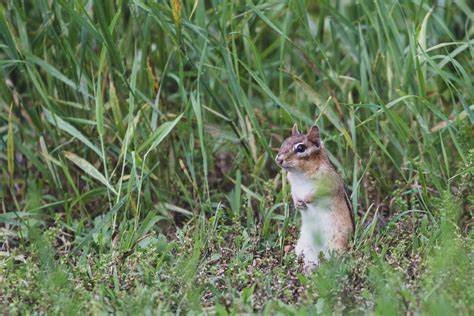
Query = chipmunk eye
x=300 y=148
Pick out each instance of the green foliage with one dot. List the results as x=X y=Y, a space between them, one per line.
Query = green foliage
x=137 y=142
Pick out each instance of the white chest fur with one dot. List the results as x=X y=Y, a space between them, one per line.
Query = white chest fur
x=301 y=186
x=317 y=229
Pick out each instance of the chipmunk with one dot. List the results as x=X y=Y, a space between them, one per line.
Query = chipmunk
x=318 y=192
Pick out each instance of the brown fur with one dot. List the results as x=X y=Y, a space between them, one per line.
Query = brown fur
x=314 y=163
x=343 y=220
x=308 y=162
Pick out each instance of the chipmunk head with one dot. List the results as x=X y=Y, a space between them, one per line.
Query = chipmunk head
x=300 y=152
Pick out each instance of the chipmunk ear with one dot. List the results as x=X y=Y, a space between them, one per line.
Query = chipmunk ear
x=313 y=135
x=295 y=130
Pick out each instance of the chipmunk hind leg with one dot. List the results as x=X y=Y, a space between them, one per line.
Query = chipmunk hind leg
x=309 y=254
x=342 y=228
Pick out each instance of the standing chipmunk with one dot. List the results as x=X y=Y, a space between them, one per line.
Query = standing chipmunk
x=318 y=192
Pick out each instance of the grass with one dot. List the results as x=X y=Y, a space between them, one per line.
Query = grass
x=137 y=142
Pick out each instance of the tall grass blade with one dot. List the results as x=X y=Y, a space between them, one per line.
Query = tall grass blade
x=89 y=169
x=71 y=130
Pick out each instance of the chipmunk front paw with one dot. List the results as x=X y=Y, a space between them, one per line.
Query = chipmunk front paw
x=300 y=204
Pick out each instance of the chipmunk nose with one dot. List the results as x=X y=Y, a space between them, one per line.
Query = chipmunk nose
x=279 y=159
